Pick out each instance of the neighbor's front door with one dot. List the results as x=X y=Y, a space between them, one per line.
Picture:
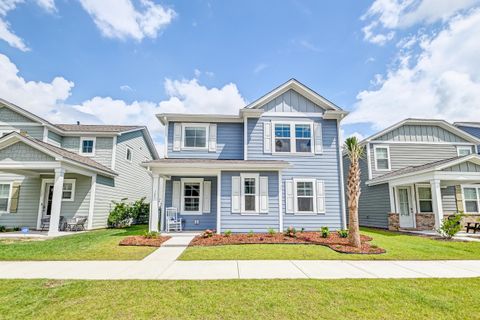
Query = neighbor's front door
x=47 y=201
x=405 y=207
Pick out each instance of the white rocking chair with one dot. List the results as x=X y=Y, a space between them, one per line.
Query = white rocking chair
x=174 y=223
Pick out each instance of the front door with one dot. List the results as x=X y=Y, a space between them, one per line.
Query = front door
x=47 y=201
x=405 y=207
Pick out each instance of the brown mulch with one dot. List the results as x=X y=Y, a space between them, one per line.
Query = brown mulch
x=334 y=241
x=143 y=242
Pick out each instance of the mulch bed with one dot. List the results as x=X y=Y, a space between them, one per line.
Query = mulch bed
x=143 y=242
x=334 y=241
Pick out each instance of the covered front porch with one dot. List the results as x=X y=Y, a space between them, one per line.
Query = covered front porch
x=422 y=197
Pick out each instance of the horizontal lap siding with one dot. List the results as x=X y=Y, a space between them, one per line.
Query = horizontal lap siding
x=10 y=117
x=323 y=166
x=55 y=137
x=103 y=148
x=237 y=222
x=229 y=144
x=206 y=220
x=449 y=200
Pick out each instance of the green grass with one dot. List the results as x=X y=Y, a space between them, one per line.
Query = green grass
x=241 y=299
x=398 y=246
x=94 y=245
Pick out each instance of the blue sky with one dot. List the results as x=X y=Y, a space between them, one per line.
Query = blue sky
x=121 y=61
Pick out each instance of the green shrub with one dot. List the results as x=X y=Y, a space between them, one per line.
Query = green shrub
x=3 y=229
x=343 y=233
x=271 y=232
x=151 y=234
x=140 y=210
x=121 y=215
x=291 y=232
x=451 y=226
x=325 y=232
x=250 y=233
x=17 y=228
x=227 y=233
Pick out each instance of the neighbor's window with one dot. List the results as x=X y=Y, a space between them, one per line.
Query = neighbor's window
x=471 y=199
x=464 y=151
x=303 y=138
x=282 y=138
x=305 y=196
x=129 y=154
x=425 y=199
x=195 y=136
x=191 y=197
x=382 y=161
x=87 y=146
x=4 y=196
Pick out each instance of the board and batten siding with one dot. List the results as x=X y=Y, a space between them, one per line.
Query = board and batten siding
x=133 y=181
x=229 y=143
x=464 y=167
x=474 y=131
x=243 y=223
x=325 y=166
x=205 y=220
x=421 y=133
x=292 y=101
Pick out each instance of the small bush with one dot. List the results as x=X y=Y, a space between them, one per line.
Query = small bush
x=451 y=226
x=120 y=216
x=227 y=233
x=3 y=229
x=140 y=210
x=271 y=232
x=325 y=232
x=250 y=234
x=207 y=233
x=291 y=232
x=343 y=233
x=151 y=234
x=17 y=228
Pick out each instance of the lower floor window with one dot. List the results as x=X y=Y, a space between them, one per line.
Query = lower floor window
x=249 y=194
x=425 y=199
x=471 y=199
x=305 y=196
x=191 y=197
x=4 y=196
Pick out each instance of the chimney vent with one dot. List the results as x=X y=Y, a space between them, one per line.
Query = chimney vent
x=78 y=123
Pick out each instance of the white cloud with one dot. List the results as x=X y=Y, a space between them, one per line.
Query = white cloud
x=441 y=81
x=48 y=100
x=384 y=16
x=48 y=5
x=121 y=19
x=259 y=68
x=126 y=88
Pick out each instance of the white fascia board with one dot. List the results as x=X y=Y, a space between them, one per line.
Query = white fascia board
x=207 y=118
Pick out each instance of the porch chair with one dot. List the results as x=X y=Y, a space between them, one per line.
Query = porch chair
x=472 y=226
x=44 y=223
x=174 y=223
x=76 y=224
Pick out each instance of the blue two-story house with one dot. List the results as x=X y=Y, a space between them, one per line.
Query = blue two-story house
x=276 y=164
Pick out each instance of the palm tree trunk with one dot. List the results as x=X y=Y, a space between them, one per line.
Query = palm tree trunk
x=353 y=191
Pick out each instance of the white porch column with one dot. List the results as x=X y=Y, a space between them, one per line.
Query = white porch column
x=437 y=202
x=56 y=201
x=161 y=197
x=154 y=204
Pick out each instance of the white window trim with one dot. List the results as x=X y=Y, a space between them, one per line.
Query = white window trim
x=182 y=197
x=9 y=195
x=243 y=176
x=202 y=125
x=94 y=139
x=73 y=182
x=459 y=148
x=417 y=196
x=471 y=186
x=388 y=157
x=293 y=139
x=131 y=154
x=295 y=197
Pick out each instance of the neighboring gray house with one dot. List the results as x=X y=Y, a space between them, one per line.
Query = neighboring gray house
x=64 y=170
x=416 y=173
x=276 y=164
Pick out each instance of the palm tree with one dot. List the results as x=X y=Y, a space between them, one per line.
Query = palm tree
x=355 y=152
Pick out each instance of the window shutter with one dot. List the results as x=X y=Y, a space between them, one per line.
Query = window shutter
x=320 y=196
x=317 y=128
x=289 y=197
x=212 y=138
x=15 y=196
x=264 y=194
x=207 y=191
x=267 y=137
x=176 y=195
x=177 y=136
x=235 y=194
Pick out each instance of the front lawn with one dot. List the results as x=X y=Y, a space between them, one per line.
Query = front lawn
x=399 y=247
x=241 y=299
x=93 y=245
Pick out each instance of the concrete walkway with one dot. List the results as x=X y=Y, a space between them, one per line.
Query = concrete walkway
x=155 y=268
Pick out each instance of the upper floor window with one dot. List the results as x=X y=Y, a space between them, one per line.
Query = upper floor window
x=464 y=151
x=195 y=136
x=129 y=154
x=293 y=137
x=382 y=158
x=87 y=146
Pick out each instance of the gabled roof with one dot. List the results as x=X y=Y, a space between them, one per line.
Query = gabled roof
x=467 y=124
x=436 y=122
x=24 y=112
x=431 y=166
x=87 y=128
x=59 y=153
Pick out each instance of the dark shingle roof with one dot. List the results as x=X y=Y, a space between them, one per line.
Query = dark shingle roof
x=96 y=128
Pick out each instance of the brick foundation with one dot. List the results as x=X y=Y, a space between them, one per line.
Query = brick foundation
x=393 y=221
x=426 y=221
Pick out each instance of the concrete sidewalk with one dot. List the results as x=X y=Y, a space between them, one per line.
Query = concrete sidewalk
x=168 y=269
